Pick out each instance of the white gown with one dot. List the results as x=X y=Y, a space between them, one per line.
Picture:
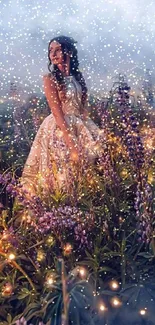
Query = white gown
x=48 y=163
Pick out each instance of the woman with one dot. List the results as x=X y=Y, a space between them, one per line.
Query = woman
x=67 y=131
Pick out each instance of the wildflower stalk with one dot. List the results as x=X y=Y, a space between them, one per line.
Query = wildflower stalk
x=65 y=294
x=19 y=268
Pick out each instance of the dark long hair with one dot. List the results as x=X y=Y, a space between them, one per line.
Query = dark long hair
x=68 y=46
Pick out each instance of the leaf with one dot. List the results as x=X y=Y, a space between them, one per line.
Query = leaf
x=86 y=317
x=78 y=307
x=3 y=310
x=58 y=265
x=16 y=318
x=52 y=310
x=31 y=308
x=151 y=293
x=88 y=255
x=73 y=296
x=108 y=293
x=112 y=254
x=35 y=315
x=9 y=318
x=146 y=255
x=107 y=269
x=82 y=298
x=74 y=316
x=58 y=311
x=24 y=293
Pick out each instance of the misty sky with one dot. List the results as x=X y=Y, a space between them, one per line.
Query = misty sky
x=113 y=36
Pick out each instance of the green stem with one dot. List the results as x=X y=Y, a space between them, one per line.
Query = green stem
x=24 y=273
x=123 y=262
x=19 y=268
x=37 y=244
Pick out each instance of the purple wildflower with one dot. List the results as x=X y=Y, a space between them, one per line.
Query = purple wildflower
x=144 y=213
x=68 y=220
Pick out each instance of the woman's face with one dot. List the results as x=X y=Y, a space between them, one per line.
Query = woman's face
x=55 y=53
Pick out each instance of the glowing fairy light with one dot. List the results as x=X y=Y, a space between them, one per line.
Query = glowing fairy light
x=7 y=290
x=68 y=249
x=116 y=302
x=142 y=312
x=26 y=218
x=114 y=285
x=50 y=280
x=124 y=173
x=151 y=178
x=11 y=257
x=82 y=272
x=50 y=241
x=5 y=235
x=102 y=308
x=40 y=255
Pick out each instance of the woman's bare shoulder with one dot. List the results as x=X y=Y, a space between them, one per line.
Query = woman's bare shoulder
x=49 y=78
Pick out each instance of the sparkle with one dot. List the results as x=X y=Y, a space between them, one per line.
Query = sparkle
x=142 y=312
x=11 y=257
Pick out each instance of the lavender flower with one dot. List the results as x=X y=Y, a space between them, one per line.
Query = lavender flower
x=5 y=178
x=130 y=132
x=9 y=236
x=66 y=219
x=144 y=213
x=9 y=188
x=104 y=160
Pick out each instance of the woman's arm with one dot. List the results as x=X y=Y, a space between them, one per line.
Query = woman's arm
x=56 y=108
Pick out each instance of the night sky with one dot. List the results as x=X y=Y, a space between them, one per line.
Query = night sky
x=114 y=36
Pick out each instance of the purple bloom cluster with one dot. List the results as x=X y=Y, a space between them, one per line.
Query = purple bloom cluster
x=105 y=157
x=11 y=189
x=135 y=148
x=9 y=183
x=81 y=234
x=129 y=128
x=66 y=220
x=107 y=167
x=144 y=213
x=5 y=178
x=133 y=142
x=16 y=190
x=9 y=236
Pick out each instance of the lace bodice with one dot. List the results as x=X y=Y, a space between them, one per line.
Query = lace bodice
x=72 y=104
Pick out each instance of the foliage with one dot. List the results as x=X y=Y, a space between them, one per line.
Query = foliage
x=61 y=251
